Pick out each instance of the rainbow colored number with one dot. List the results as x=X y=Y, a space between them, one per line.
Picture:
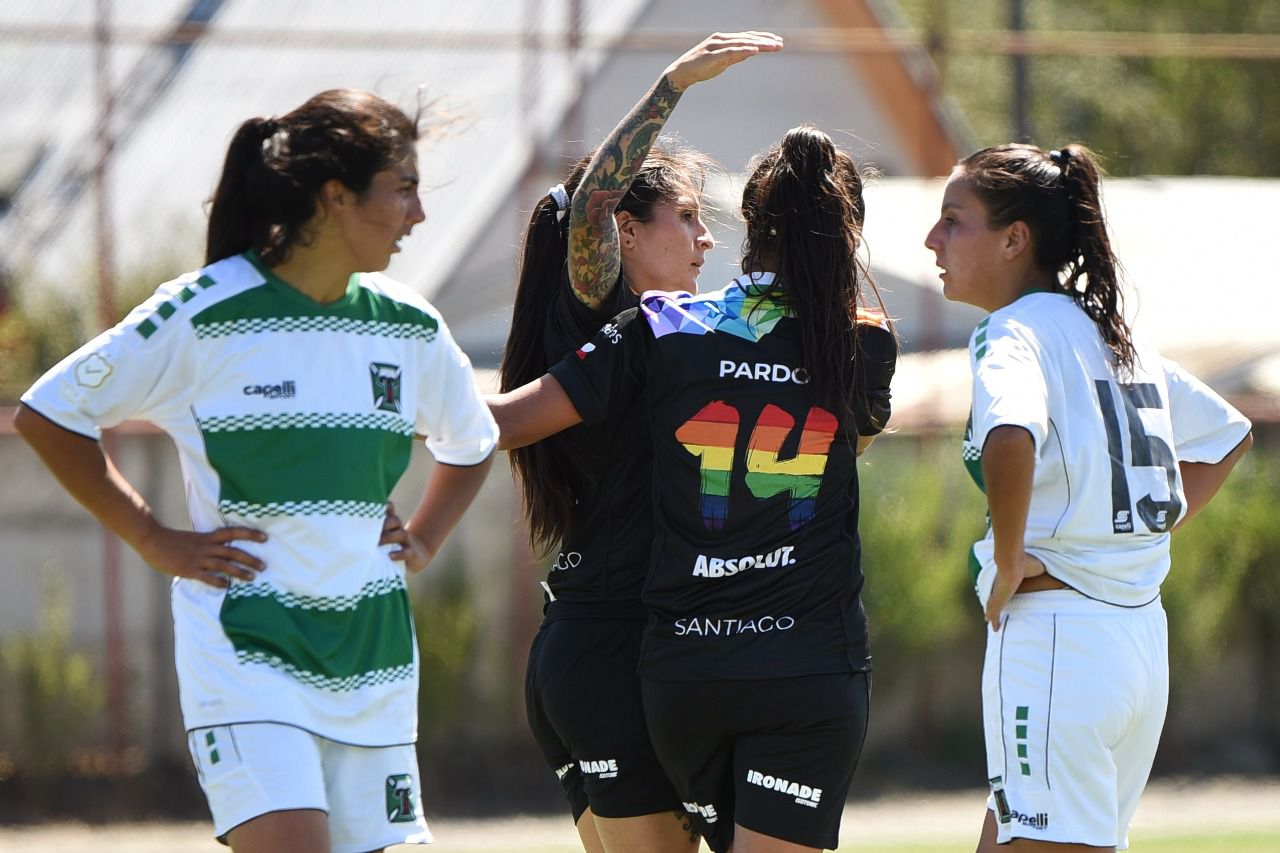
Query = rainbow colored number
x=712 y=435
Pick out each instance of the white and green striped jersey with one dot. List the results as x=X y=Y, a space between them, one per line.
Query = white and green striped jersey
x=296 y=418
x=1106 y=489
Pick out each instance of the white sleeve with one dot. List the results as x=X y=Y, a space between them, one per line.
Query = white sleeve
x=142 y=369
x=452 y=414
x=1205 y=427
x=1009 y=386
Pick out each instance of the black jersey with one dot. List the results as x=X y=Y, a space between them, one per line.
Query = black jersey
x=605 y=553
x=755 y=562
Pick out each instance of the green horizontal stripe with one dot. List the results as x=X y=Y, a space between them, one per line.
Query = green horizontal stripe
x=291 y=465
x=337 y=644
x=276 y=307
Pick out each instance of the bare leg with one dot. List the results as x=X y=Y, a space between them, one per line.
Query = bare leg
x=987 y=842
x=587 y=833
x=661 y=832
x=747 y=841
x=294 y=831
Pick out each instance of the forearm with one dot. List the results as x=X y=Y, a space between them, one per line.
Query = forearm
x=450 y=490
x=1201 y=480
x=595 y=258
x=532 y=412
x=80 y=465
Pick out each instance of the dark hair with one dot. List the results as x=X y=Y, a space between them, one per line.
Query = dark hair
x=275 y=168
x=804 y=210
x=547 y=470
x=1058 y=194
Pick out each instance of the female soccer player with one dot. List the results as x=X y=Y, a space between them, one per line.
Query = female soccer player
x=1091 y=449
x=293 y=377
x=757 y=399
x=634 y=225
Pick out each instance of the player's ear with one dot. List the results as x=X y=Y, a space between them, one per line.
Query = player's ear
x=1017 y=239
x=335 y=195
x=627 y=237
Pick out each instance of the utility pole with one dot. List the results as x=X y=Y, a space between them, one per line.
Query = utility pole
x=1020 y=107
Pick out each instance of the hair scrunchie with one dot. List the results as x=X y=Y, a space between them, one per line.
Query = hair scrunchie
x=560 y=196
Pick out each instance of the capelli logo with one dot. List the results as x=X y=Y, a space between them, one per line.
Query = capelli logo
x=1039 y=820
x=279 y=391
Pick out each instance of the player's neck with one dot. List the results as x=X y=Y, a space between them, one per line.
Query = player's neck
x=311 y=271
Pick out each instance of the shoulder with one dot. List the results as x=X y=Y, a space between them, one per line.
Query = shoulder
x=177 y=302
x=1029 y=324
x=390 y=301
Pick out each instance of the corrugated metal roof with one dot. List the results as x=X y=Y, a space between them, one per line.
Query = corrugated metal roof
x=167 y=160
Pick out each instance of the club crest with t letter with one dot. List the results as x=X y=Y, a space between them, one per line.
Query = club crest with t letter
x=386 y=386
x=400 y=798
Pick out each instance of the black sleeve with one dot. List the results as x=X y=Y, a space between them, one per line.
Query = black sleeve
x=877 y=358
x=607 y=374
x=570 y=323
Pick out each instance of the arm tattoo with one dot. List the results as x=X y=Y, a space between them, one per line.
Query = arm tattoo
x=595 y=256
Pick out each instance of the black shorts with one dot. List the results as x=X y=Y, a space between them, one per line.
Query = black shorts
x=582 y=696
x=775 y=756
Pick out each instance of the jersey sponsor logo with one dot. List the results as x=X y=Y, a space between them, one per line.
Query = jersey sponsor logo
x=762 y=372
x=564 y=562
x=707 y=812
x=563 y=771
x=279 y=391
x=606 y=768
x=400 y=798
x=92 y=370
x=805 y=795
x=730 y=627
x=720 y=567
x=385 y=379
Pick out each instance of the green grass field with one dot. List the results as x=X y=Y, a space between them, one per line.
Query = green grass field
x=1248 y=842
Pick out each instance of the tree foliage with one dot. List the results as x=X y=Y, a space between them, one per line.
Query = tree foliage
x=1145 y=115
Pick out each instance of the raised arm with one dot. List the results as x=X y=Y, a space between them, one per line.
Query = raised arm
x=594 y=254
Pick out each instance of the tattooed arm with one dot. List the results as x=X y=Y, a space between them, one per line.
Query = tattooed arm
x=595 y=257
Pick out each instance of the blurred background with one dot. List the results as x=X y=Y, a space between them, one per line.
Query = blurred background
x=115 y=119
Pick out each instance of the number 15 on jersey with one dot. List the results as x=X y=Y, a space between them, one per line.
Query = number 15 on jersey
x=1145 y=450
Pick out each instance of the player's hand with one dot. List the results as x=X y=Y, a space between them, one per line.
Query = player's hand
x=716 y=53
x=412 y=551
x=1008 y=579
x=207 y=557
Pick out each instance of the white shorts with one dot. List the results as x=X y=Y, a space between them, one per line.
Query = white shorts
x=1074 y=694
x=371 y=794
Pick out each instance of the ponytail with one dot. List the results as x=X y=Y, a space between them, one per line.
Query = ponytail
x=1091 y=274
x=544 y=470
x=804 y=211
x=235 y=220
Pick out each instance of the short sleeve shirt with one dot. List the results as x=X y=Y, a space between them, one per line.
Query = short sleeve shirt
x=756 y=559
x=295 y=418
x=1106 y=487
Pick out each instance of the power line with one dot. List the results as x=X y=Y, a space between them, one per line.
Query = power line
x=1245 y=46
